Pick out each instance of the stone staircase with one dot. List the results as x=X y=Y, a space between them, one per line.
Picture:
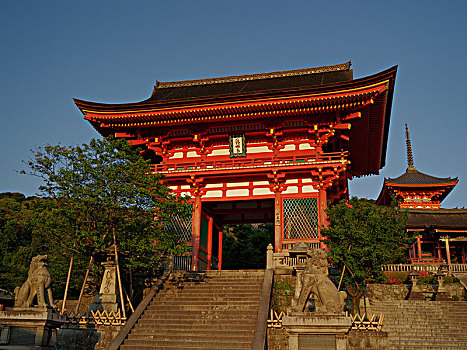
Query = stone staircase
x=209 y=310
x=424 y=324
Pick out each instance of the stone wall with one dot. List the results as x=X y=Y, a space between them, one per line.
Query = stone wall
x=364 y=340
x=355 y=340
x=455 y=290
x=278 y=339
x=73 y=337
x=390 y=292
x=387 y=292
x=107 y=334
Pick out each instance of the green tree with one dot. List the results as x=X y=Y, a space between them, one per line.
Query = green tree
x=102 y=192
x=361 y=237
x=15 y=239
x=245 y=246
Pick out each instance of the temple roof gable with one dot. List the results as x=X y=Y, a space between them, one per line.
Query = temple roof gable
x=296 y=78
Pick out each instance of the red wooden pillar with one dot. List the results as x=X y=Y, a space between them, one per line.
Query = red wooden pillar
x=463 y=252
x=438 y=249
x=448 y=252
x=220 y=250
x=419 y=247
x=196 y=233
x=322 y=206
x=278 y=221
x=210 y=224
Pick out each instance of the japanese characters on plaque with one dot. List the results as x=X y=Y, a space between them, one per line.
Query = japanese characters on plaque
x=237 y=145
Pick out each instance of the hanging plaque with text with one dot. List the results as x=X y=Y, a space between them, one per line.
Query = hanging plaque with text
x=237 y=145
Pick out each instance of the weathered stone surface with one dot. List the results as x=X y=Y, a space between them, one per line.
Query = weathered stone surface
x=455 y=290
x=306 y=327
x=387 y=292
x=313 y=282
x=73 y=337
x=106 y=335
x=29 y=328
x=36 y=285
x=108 y=290
x=278 y=339
x=364 y=340
x=391 y=292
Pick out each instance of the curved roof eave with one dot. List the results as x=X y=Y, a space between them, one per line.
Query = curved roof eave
x=113 y=107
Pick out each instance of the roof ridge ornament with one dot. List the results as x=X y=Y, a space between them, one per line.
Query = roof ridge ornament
x=254 y=76
x=410 y=167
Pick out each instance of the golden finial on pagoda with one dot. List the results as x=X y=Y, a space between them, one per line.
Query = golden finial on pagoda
x=409 y=149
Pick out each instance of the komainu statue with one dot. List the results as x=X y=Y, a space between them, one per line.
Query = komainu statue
x=36 y=285
x=313 y=283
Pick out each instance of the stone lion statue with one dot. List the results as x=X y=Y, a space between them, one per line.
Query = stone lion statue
x=314 y=283
x=36 y=285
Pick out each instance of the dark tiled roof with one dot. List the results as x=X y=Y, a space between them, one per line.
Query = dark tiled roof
x=438 y=218
x=164 y=91
x=414 y=177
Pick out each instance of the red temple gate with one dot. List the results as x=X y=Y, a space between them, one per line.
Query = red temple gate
x=271 y=147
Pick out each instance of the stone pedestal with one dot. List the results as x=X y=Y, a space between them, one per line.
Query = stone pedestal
x=316 y=331
x=443 y=296
x=416 y=293
x=108 y=290
x=29 y=328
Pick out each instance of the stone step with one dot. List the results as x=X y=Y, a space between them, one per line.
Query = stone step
x=427 y=347
x=439 y=343
x=196 y=307
x=195 y=313
x=209 y=343
x=423 y=324
x=211 y=298
x=227 y=332
x=212 y=291
x=220 y=287
x=217 y=284
x=415 y=320
x=218 y=312
x=188 y=346
x=164 y=336
x=206 y=319
x=231 y=326
x=200 y=318
x=453 y=337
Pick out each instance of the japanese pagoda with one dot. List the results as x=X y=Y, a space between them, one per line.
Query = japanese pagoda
x=422 y=195
x=258 y=148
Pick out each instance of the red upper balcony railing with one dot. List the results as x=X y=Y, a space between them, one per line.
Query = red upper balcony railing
x=251 y=163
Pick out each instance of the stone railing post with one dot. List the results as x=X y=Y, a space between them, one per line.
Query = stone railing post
x=269 y=256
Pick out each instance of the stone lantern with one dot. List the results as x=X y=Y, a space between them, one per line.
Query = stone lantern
x=416 y=293
x=413 y=275
x=440 y=277
x=442 y=294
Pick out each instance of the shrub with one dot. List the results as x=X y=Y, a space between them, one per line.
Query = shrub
x=395 y=277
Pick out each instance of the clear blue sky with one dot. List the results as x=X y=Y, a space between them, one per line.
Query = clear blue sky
x=114 y=51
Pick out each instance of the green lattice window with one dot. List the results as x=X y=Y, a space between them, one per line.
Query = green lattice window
x=181 y=226
x=300 y=218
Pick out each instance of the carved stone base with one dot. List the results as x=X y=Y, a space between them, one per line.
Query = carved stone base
x=416 y=295
x=443 y=296
x=29 y=328
x=311 y=331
